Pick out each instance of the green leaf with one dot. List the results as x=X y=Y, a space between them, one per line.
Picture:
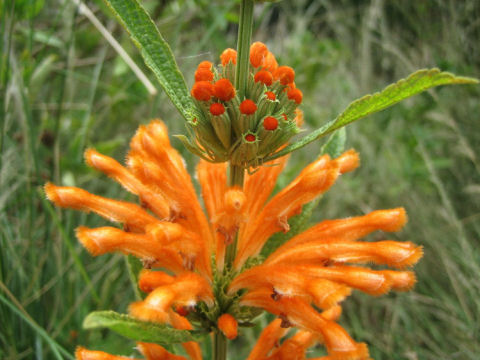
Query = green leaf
x=416 y=83
x=134 y=266
x=137 y=330
x=155 y=50
x=298 y=223
x=335 y=144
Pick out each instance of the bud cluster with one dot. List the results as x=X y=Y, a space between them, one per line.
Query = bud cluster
x=243 y=129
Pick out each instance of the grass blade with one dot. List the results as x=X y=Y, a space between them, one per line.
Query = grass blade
x=56 y=348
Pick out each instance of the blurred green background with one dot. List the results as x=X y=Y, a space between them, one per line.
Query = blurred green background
x=63 y=88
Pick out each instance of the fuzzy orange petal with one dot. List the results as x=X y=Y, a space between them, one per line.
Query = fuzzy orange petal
x=311 y=182
x=152 y=199
x=107 y=239
x=83 y=354
x=267 y=340
x=393 y=253
x=186 y=290
x=299 y=313
x=133 y=216
x=350 y=229
x=163 y=167
x=157 y=352
x=149 y=280
x=295 y=347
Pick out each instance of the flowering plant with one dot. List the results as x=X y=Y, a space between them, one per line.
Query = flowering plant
x=211 y=273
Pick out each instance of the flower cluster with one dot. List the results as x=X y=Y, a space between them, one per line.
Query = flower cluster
x=243 y=128
x=183 y=250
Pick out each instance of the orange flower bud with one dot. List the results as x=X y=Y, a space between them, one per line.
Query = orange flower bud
x=258 y=51
x=202 y=90
x=228 y=326
x=217 y=109
x=270 y=95
x=270 y=123
x=250 y=138
x=264 y=77
x=224 y=90
x=228 y=55
x=203 y=74
x=270 y=63
x=205 y=65
x=248 y=107
x=295 y=95
x=285 y=74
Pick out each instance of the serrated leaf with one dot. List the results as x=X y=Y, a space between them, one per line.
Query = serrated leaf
x=155 y=51
x=335 y=144
x=415 y=83
x=137 y=330
x=298 y=223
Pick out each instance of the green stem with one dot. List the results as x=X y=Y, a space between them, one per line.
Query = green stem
x=236 y=175
x=219 y=346
x=243 y=46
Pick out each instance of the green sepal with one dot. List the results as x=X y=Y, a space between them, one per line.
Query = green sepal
x=416 y=83
x=335 y=144
x=298 y=223
x=191 y=147
x=244 y=313
x=223 y=129
x=138 y=330
x=246 y=151
x=155 y=51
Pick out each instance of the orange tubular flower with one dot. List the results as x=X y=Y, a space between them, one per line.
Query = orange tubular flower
x=157 y=352
x=84 y=354
x=205 y=269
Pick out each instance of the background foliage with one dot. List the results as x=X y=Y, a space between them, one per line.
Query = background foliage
x=63 y=88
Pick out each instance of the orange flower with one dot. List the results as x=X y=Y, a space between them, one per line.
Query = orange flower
x=84 y=354
x=187 y=278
